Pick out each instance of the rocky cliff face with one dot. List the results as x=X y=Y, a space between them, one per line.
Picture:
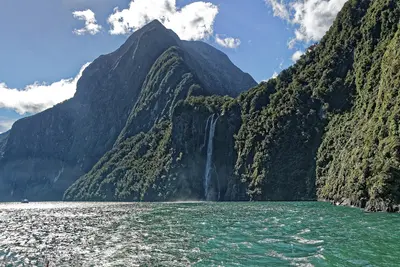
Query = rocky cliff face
x=3 y=141
x=326 y=128
x=118 y=96
x=358 y=161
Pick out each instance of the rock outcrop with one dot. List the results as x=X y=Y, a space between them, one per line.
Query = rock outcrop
x=45 y=153
x=161 y=119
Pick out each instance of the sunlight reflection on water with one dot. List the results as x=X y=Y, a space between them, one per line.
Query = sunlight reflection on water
x=194 y=233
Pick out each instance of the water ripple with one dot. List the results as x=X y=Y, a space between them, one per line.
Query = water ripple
x=195 y=234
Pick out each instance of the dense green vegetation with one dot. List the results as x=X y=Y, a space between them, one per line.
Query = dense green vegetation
x=142 y=152
x=359 y=157
x=129 y=169
x=131 y=91
x=325 y=128
x=343 y=94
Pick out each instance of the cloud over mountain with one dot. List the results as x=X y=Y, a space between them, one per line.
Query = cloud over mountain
x=5 y=124
x=227 y=42
x=91 y=26
x=191 y=22
x=38 y=96
x=296 y=56
x=311 y=18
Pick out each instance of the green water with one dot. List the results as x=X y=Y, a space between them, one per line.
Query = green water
x=197 y=234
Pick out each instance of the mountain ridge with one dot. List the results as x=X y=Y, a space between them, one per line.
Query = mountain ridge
x=68 y=139
x=281 y=140
x=326 y=128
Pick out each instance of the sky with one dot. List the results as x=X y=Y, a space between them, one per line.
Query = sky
x=46 y=44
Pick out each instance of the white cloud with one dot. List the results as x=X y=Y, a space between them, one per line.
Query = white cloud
x=279 y=8
x=315 y=17
x=91 y=26
x=194 y=21
x=227 y=42
x=311 y=18
x=6 y=124
x=296 y=56
x=38 y=96
x=274 y=75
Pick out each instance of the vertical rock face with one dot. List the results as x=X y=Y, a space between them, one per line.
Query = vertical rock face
x=44 y=154
x=325 y=128
x=215 y=69
x=359 y=157
x=3 y=141
x=190 y=142
x=145 y=162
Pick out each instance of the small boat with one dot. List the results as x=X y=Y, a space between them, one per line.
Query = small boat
x=25 y=201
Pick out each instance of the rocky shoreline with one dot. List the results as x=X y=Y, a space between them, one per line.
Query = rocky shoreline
x=368 y=206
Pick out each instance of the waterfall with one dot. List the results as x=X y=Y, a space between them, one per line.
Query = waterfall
x=207 y=173
x=205 y=133
x=58 y=175
x=219 y=185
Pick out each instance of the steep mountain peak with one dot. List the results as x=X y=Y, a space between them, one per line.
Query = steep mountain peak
x=326 y=128
x=151 y=72
x=135 y=56
x=221 y=74
x=154 y=26
x=155 y=23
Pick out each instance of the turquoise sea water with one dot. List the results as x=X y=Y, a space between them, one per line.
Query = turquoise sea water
x=196 y=234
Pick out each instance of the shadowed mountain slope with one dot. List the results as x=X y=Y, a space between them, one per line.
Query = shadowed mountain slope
x=326 y=128
x=45 y=153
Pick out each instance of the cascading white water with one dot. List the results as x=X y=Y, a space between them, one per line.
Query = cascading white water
x=218 y=184
x=205 y=133
x=207 y=173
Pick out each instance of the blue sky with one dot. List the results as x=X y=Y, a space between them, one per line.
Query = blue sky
x=45 y=43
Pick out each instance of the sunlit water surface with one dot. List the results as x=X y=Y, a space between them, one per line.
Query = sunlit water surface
x=196 y=234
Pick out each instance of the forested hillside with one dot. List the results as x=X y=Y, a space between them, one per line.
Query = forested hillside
x=175 y=121
x=118 y=96
x=326 y=128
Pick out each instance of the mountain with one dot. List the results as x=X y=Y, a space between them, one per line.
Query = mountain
x=162 y=119
x=326 y=128
x=3 y=139
x=319 y=136
x=118 y=96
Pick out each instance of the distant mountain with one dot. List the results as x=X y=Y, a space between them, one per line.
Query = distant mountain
x=326 y=128
x=118 y=96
